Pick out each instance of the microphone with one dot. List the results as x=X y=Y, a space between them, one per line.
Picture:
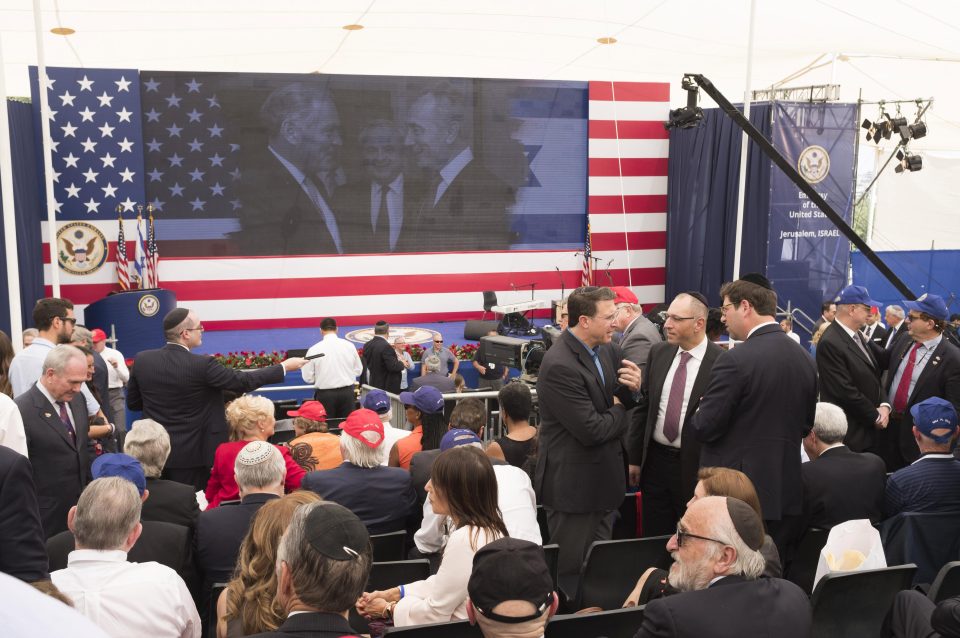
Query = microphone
x=559 y=274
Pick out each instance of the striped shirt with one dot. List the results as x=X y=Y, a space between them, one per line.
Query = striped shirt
x=929 y=484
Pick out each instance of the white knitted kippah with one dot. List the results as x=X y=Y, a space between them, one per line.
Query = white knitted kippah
x=254 y=453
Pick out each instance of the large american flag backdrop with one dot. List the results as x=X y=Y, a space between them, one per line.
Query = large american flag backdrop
x=123 y=137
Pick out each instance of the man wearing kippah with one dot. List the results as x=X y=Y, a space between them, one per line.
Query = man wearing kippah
x=184 y=392
x=717 y=567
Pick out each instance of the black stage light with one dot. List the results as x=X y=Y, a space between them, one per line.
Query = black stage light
x=913 y=131
x=908 y=162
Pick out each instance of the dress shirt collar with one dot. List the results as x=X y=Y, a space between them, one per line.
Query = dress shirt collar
x=96 y=556
x=832 y=447
x=593 y=351
x=755 y=328
x=850 y=333
x=698 y=351
x=46 y=393
x=449 y=172
x=40 y=341
x=934 y=455
x=931 y=344
x=396 y=185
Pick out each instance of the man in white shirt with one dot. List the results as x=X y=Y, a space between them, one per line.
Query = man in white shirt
x=54 y=320
x=117 y=376
x=12 y=434
x=334 y=372
x=123 y=598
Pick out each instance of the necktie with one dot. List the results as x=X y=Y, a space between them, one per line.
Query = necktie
x=903 y=389
x=863 y=348
x=867 y=332
x=890 y=336
x=66 y=421
x=671 y=420
x=381 y=224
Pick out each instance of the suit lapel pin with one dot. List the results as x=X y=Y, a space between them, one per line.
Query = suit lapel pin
x=47 y=415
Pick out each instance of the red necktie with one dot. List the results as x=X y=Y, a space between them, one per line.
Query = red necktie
x=903 y=388
x=671 y=419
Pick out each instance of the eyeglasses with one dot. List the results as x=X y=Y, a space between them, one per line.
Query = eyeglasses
x=682 y=534
x=200 y=328
x=438 y=341
x=724 y=307
x=72 y=320
x=675 y=318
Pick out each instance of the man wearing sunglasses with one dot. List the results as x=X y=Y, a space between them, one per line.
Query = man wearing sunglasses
x=53 y=318
x=717 y=567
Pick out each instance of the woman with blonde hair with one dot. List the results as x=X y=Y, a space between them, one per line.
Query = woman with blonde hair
x=251 y=419
x=247 y=605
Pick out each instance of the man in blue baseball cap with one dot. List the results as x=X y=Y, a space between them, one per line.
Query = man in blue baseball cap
x=932 y=483
x=850 y=373
x=379 y=402
x=923 y=366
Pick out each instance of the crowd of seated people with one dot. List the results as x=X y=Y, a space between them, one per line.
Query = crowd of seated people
x=279 y=541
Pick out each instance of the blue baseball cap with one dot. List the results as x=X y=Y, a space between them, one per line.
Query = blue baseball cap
x=855 y=295
x=121 y=465
x=427 y=399
x=935 y=414
x=377 y=401
x=457 y=437
x=928 y=304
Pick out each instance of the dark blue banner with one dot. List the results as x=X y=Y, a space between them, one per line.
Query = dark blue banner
x=807 y=256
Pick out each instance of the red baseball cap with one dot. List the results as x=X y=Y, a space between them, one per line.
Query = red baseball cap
x=312 y=410
x=98 y=335
x=624 y=295
x=364 y=420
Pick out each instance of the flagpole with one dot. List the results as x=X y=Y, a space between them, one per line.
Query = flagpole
x=9 y=215
x=744 y=147
x=45 y=149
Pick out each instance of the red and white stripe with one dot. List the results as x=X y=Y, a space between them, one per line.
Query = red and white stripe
x=627 y=192
x=627 y=203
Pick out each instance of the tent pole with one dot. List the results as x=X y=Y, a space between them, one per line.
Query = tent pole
x=9 y=215
x=45 y=149
x=744 y=146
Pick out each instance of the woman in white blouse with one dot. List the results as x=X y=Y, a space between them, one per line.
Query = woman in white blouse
x=463 y=486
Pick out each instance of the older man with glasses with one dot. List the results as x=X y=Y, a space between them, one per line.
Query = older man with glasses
x=449 y=363
x=717 y=567
x=184 y=392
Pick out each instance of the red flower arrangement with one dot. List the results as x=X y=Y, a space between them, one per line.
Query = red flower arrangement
x=245 y=360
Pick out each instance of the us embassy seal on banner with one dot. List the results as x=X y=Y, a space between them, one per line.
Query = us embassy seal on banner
x=814 y=164
x=81 y=248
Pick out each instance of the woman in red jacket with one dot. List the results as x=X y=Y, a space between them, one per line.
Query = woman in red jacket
x=251 y=419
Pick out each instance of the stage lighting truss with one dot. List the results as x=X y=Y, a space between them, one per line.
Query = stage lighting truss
x=909 y=162
x=885 y=125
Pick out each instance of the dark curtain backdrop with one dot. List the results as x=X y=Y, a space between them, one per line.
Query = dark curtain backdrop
x=26 y=192
x=703 y=173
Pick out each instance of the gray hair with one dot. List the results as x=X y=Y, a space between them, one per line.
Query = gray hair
x=830 y=423
x=290 y=101
x=58 y=358
x=108 y=510
x=432 y=363
x=148 y=442
x=270 y=471
x=321 y=582
x=896 y=311
x=80 y=333
x=359 y=454
x=394 y=128
x=31 y=332
x=750 y=562
x=386 y=417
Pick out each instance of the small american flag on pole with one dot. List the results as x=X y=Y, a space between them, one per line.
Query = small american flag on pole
x=586 y=277
x=153 y=256
x=123 y=265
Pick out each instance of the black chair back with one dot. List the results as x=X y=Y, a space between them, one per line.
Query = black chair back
x=552 y=555
x=389 y=547
x=626 y=524
x=489 y=300
x=928 y=539
x=542 y=522
x=390 y=574
x=460 y=629
x=612 y=568
x=803 y=568
x=215 y=592
x=947 y=583
x=854 y=604
x=616 y=623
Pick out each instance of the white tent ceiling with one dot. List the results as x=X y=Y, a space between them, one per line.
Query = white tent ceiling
x=881 y=49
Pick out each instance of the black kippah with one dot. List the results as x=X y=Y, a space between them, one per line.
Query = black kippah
x=758 y=279
x=745 y=520
x=174 y=318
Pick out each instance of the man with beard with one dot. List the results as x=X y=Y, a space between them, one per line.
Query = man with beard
x=286 y=200
x=53 y=318
x=717 y=567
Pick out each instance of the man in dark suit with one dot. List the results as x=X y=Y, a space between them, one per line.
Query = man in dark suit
x=382 y=497
x=664 y=453
x=322 y=538
x=873 y=331
x=286 y=199
x=21 y=534
x=759 y=404
x=382 y=365
x=585 y=389
x=55 y=421
x=638 y=334
x=465 y=205
x=169 y=502
x=378 y=213
x=717 y=568
x=433 y=375
x=922 y=366
x=895 y=316
x=828 y=311
x=839 y=484
x=260 y=471
x=184 y=392
x=850 y=373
